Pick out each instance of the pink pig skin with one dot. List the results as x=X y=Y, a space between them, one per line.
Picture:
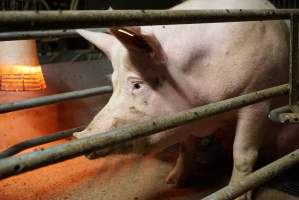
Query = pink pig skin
x=165 y=69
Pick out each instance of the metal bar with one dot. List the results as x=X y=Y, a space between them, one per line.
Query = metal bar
x=30 y=20
x=275 y=114
x=256 y=178
x=38 y=35
x=19 y=105
x=293 y=69
x=42 y=34
x=38 y=141
x=19 y=164
x=289 y=117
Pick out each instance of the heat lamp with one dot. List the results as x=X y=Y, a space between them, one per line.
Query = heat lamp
x=20 y=69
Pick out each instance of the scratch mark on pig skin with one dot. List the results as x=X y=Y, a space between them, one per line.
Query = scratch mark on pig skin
x=227 y=52
x=118 y=122
x=136 y=111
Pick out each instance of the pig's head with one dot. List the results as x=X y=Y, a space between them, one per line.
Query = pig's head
x=143 y=87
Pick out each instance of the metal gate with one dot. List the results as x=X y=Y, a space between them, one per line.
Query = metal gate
x=46 y=20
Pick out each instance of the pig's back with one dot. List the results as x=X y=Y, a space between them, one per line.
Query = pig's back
x=224 y=4
x=228 y=58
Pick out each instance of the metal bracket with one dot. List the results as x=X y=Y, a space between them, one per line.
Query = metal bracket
x=284 y=115
x=293 y=61
x=290 y=113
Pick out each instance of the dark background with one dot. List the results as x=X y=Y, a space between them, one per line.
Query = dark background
x=53 y=50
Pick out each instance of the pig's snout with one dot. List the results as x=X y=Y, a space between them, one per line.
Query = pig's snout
x=81 y=134
x=85 y=133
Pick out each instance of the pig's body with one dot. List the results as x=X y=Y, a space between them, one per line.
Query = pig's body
x=171 y=68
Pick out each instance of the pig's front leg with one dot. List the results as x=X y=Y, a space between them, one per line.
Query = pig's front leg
x=248 y=139
x=185 y=164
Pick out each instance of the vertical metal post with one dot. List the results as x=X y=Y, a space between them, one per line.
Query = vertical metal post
x=293 y=71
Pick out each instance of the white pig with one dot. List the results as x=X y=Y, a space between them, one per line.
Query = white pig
x=159 y=70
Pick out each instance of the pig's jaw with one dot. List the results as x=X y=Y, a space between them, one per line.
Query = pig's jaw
x=139 y=146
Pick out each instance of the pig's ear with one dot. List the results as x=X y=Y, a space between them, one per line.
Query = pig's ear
x=101 y=40
x=134 y=40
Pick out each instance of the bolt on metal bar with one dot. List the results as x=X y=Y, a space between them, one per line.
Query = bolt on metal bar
x=42 y=20
x=293 y=69
x=38 y=141
x=289 y=117
x=256 y=178
x=19 y=164
x=19 y=105
x=42 y=34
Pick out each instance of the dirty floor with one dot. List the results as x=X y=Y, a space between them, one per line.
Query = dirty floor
x=126 y=177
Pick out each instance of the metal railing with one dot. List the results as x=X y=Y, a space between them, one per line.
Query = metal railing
x=21 y=35
x=82 y=19
x=56 y=98
x=45 y=20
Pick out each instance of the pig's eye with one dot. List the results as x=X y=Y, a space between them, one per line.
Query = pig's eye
x=136 y=86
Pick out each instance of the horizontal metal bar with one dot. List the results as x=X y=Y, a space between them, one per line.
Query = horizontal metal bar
x=19 y=164
x=284 y=115
x=289 y=117
x=256 y=178
x=274 y=114
x=42 y=20
x=37 y=35
x=19 y=105
x=38 y=141
x=42 y=34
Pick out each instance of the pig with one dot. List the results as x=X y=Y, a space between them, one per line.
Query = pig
x=160 y=70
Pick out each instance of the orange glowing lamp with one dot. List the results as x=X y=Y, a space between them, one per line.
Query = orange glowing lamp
x=20 y=69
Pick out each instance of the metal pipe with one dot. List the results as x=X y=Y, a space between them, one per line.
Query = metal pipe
x=256 y=178
x=38 y=141
x=289 y=117
x=19 y=164
x=42 y=20
x=275 y=114
x=293 y=68
x=42 y=34
x=19 y=105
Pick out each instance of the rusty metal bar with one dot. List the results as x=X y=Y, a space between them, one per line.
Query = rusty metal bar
x=38 y=141
x=19 y=164
x=256 y=178
x=289 y=117
x=293 y=69
x=42 y=20
x=275 y=114
x=290 y=113
x=42 y=34
x=37 y=35
x=19 y=105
